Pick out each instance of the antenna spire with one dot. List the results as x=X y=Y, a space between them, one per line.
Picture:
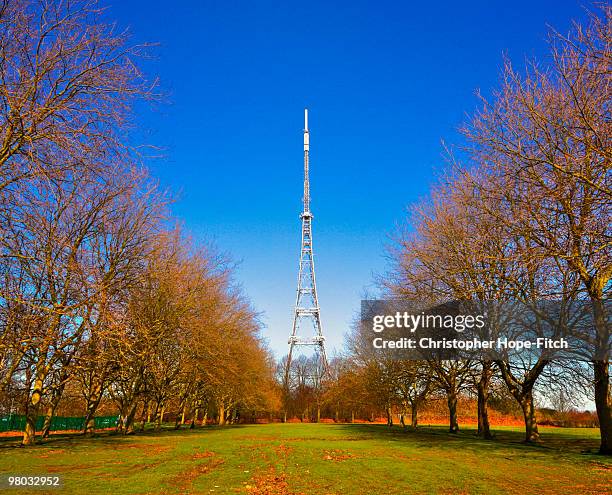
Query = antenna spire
x=306 y=151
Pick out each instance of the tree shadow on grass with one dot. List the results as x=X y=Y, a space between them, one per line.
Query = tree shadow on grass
x=554 y=443
x=105 y=437
x=509 y=442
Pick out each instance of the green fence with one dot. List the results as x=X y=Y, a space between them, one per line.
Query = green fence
x=17 y=423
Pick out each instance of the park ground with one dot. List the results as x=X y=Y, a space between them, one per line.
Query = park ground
x=317 y=459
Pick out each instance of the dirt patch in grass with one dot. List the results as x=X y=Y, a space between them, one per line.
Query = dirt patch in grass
x=203 y=455
x=185 y=478
x=150 y=449
x=129 y=469
x=123 y=469
x=404 y=457
x=258 y=438
x=337 y=455
x=157 y=449
x=71 y=467
x=50 y=453
x=120 y=467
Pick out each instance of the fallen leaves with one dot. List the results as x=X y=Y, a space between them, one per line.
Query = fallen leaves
x=269 y=483
x=337 y=455
x=185 y=479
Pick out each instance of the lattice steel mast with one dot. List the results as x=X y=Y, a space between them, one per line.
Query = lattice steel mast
x=307 y=303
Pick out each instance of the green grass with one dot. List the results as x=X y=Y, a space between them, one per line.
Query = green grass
x=316 y=459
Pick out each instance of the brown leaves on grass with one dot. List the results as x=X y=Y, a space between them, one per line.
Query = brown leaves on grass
x=337 y=455
x=50 y=453
x=270 y=483
x=600 y=466
x=149 y=449
x=282 y=450
x=68 y=467
x=185 y=478
x=404 y=457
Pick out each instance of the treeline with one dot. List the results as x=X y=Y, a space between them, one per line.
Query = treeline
x=523 y=214
x=98 y=295
x=410 y=393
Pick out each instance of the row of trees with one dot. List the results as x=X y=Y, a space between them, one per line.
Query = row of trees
x=366 y=386
x=525 y=215
x=97 y=294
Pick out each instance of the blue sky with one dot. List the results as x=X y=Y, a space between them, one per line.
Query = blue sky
x=384 y=82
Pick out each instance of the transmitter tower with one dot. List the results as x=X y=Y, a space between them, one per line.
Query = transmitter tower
x=306 y=329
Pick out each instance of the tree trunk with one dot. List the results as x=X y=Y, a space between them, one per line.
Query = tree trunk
x=484 y=429
x=143 y=416
x=178 y=423
x=352 y=416
x=523 y=393
x=601 y=374
x=318 y=414
x=55 y=399
x=128 y=422
x=531 y=426
x=29 y=435
x=389 y=417
x=160 y=418
x=221 y=414
x=184 y=414
x=194 y=420
x=415 y=416
x=451 y=398
x=129 y=404
x=46 y=429
x=92 y=405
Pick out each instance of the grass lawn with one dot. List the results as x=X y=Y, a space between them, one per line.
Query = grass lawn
x=317 y=459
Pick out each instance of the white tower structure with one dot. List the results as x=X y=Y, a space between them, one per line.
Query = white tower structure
x=306 y=329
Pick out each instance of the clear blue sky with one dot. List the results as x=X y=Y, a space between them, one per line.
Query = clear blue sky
x=385 y=82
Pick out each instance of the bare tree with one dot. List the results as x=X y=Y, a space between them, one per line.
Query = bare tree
x=415 y=383
x=67 y=83
x=545 y=138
